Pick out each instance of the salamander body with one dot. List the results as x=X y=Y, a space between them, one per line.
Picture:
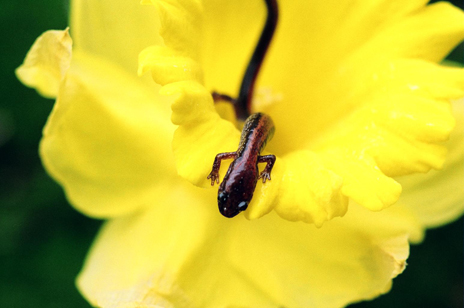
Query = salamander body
x=239 y=183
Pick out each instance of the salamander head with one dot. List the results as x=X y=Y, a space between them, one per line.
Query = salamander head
x=230 y=206
x=235 y=193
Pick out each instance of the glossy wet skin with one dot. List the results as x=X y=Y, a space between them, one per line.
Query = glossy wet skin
x=239 y=183
x=237 y=187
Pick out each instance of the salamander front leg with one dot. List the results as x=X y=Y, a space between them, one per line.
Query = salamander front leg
x=266 y=173
x=214 y=175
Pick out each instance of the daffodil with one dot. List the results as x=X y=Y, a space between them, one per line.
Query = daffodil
x=362 y=113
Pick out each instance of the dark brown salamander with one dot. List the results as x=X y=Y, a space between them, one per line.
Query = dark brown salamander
x=239 y=183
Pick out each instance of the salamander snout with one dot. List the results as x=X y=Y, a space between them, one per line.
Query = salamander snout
x=230 y=206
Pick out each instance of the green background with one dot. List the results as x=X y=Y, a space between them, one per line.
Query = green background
x=43 y=241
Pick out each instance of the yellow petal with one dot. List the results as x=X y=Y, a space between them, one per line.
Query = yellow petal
x=46 y=62
x=167 y=66
x=162 y=254
x=107 y=141
x=314 y=267
x=114 y=30
x=201 y=134
x=188 y=256
x=437 y=197
x=181 y=22
x=193 y=109
x=309 y=192
x=362 y=180
x=267 y=196
x=430 y=34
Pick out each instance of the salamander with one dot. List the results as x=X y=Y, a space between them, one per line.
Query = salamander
x=239 y=183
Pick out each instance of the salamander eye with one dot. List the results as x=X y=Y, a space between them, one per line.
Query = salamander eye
x=242 y=206
x=222 y=197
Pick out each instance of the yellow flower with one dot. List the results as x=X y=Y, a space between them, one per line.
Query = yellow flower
x=360 y=106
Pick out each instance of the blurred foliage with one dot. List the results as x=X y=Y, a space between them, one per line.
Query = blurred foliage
x=43 y=240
